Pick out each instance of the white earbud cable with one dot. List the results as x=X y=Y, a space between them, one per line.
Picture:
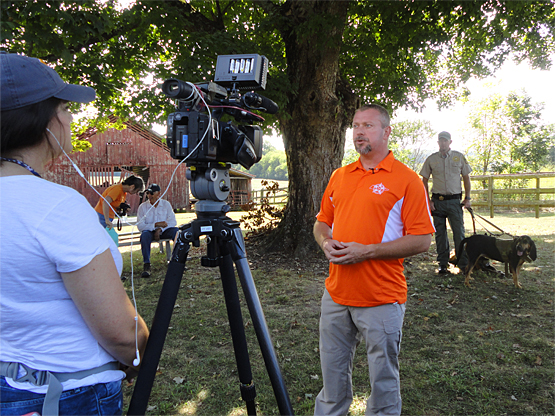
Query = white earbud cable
x=137 y=360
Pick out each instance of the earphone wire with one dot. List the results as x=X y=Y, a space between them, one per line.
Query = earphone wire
x=80 y=173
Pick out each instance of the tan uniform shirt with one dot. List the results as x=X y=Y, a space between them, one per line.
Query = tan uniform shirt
x=446 y=172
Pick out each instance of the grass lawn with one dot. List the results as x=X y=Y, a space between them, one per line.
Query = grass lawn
x=488 y=350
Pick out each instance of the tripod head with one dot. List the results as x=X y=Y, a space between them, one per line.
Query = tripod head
x=211 y=184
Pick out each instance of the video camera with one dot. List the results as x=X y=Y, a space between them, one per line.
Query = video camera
x=198 y=134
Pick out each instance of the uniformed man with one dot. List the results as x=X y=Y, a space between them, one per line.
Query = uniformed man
x=447 y=167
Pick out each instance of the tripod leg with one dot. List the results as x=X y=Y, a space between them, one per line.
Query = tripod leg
x=159 y=330
x=259 y=322
x=248 y=391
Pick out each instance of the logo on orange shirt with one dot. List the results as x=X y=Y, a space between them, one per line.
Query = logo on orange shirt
x=378 y=189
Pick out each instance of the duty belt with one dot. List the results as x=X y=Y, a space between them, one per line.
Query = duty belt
x=446 y=197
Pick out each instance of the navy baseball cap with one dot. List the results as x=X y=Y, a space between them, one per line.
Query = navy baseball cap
x=153 y=188
x=25 y=81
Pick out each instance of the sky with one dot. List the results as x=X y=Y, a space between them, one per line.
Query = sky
x=540 y=85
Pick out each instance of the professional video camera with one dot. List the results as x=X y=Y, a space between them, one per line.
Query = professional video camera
x=198 y=134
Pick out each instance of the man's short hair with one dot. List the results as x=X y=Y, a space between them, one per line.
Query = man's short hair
x=384 y=115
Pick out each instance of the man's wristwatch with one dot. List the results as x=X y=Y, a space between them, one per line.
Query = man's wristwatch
x=467 y=198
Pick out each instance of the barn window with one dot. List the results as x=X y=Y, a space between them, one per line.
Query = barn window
x=104 y=176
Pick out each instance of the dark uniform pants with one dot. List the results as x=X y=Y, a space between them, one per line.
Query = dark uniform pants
x=448 y=210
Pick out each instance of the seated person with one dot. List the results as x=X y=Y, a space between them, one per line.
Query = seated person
x=155 y=220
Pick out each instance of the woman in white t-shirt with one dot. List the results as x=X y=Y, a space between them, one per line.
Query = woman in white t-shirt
x=66 y=320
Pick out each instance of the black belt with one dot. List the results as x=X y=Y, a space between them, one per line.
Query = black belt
x=446 y=197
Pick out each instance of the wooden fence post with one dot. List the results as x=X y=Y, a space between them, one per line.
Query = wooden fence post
x=538 y=197
x=490 y=195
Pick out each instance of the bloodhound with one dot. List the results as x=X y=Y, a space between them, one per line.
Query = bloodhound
x=511 y=252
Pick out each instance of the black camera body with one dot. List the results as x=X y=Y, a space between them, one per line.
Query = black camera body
x=122 y=209
x=191 y=135
x=196 y=132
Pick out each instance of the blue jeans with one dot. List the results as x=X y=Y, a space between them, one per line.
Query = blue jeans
x=147 y=237
x=98 y=399
x=102 y=219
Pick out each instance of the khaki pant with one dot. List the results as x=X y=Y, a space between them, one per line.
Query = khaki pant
x=341 y=330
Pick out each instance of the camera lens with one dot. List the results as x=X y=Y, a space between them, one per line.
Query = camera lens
x=176 y=88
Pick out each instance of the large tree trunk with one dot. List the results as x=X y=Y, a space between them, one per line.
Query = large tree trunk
x=325 y=104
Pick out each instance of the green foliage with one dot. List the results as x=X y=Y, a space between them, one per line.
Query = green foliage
x=393 y=52
x=404 y=52
x=351 y=156
x=508 y=135
x=273 y=164
x=407 y=141
x=125 y=54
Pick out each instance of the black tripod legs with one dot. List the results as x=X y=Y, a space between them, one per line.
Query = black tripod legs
x=248 y=391
x=259 y=323
x=225 y=247
x=158 y=332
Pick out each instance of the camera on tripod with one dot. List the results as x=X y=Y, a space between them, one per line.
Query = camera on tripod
x=196 y=132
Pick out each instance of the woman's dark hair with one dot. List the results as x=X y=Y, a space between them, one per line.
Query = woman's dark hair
x=136 y=181
x=26 y=126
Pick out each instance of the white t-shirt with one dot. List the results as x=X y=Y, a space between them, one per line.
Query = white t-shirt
x=47 y=229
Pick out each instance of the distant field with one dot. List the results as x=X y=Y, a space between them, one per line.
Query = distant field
x=256 y=183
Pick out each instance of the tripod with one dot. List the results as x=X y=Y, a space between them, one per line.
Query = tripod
x=225 y=247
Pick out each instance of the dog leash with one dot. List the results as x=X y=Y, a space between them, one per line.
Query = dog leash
x=472 y=214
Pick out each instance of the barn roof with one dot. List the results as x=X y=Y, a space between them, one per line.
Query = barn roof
x=240 y=174
x=145 y=133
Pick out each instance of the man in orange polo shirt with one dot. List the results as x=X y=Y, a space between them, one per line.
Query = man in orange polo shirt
x=374 y=212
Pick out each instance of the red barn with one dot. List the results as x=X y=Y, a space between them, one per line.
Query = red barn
x=116 y=154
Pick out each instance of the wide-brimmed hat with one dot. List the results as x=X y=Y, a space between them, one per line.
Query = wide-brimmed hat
x=26 y=81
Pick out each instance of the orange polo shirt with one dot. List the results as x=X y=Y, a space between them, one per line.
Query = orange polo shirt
x=368 y=208
x=118 y=196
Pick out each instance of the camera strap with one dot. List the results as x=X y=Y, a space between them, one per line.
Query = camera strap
x=52 y=379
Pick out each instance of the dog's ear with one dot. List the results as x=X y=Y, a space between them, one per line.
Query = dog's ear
x=533 y=254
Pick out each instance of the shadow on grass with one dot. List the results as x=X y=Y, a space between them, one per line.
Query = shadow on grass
x=485 y=350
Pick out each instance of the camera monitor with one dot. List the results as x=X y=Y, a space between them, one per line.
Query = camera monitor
x=245 y=72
